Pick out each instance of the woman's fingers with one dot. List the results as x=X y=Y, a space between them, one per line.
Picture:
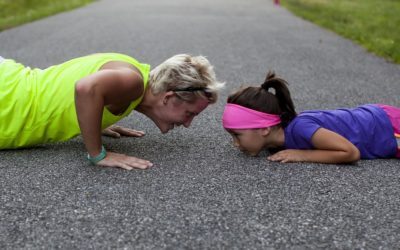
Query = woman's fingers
x=111 y=133
x=124 y=161
x=134 y=162
x=117 y=131
x=124 y=166
x=132 y=132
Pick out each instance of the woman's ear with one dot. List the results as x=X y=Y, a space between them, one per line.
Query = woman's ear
x=167 y=96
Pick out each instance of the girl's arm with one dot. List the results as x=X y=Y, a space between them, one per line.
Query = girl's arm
x=116 y=87
x=330 y=147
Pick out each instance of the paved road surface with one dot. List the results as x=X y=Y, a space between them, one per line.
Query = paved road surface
x=202 y=193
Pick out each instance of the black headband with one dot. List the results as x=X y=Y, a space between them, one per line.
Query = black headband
x=191 y=89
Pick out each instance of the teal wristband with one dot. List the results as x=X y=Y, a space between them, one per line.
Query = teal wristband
x=99 y=157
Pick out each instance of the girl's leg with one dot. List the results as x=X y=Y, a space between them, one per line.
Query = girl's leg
x=398 y=145
x=394 y=116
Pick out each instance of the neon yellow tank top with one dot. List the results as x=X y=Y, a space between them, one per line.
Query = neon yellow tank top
x=37 y=106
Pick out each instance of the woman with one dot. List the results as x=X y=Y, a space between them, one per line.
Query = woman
x=86 y=95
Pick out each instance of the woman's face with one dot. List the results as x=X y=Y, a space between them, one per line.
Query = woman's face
x=249 y=141
x=176 y=112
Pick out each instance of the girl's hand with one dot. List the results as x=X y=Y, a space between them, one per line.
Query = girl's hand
x=288 y=155
x=124 y=161
x=118 y=131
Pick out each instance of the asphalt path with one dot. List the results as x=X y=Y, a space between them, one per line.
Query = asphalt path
x=201 y=192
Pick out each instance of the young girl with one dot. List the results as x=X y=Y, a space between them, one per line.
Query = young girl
x=265 y=117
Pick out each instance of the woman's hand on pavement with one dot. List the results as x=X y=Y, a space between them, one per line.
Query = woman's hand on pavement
x=124 y=161
x=118 y=131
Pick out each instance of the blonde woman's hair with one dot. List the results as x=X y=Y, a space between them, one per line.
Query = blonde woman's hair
x=188 y=76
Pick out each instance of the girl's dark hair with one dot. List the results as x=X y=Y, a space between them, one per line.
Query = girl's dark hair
x=278 y=102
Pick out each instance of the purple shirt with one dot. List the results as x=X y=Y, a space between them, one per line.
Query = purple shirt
x=368 y=127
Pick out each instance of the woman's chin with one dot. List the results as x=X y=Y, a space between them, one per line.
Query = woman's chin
x=164 y=130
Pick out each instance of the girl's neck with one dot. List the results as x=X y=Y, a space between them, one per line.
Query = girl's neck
x=277 y=138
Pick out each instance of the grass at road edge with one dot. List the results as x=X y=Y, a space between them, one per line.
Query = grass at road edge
x=17 y=12
x=374 y=24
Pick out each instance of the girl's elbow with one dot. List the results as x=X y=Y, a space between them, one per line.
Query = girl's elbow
x=354 y=155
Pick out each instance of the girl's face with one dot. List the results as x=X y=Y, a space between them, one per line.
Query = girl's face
x=249 y=141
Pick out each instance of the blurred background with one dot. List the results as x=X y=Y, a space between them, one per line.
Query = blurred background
x=372 y=24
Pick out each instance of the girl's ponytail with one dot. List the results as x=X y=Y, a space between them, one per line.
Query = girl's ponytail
x=278 y=101
x=282 y=94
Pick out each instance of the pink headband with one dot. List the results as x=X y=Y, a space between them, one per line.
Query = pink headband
x=239 y=117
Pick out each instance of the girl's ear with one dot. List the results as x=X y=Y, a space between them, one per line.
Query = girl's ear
x=265 y=131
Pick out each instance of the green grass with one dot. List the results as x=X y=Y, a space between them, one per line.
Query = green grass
x=374 y=24
x=16 y=12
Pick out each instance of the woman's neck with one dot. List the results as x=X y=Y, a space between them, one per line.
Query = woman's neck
x=148 y=103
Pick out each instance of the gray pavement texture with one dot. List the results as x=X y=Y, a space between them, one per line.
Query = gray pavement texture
x=202 y=193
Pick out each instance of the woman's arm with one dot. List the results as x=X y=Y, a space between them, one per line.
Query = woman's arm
x=116 y=87
x=330 y=147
